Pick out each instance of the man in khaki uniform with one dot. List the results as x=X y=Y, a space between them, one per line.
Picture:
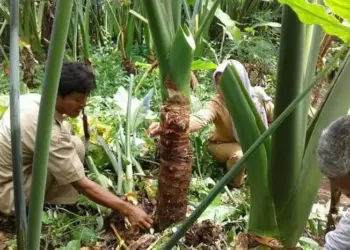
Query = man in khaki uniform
x=66 y=176
x=223 y=143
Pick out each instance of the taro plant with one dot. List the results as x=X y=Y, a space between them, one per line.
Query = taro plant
x=174 y=46
x=281 y=160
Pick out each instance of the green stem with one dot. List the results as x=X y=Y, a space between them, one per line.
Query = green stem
x=117 y=167
x=76 y=25
x=3 y=27
x=129 y=171
x=238 y=166
x=84 y=35
x=138 y=166
x=120 y=171
x=156 y=12
x=46 y=116
x=16 y=145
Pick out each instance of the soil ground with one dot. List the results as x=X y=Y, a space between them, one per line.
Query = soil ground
x=324 y=194
x=134 y=239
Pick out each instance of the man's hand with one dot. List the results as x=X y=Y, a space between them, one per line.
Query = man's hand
x=98 y=194
x=138 y=218
x=154 y=129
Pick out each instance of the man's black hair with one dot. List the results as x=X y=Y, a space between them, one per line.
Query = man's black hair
x=76 y=77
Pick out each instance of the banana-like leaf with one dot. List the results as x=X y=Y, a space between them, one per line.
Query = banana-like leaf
x=160 y=29
x=230 y=26
x=336 y=104
x=257 y=165
x=212 y=8
x=340 y=8
x=311 y=13
x=140 y=109
x=180 y=61
x=296 y=70
x=140 y=113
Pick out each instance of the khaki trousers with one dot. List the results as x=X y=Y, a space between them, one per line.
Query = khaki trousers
x=228 y=154
x=64 y=194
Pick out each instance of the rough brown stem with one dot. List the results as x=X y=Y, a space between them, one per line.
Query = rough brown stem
x=176 y=162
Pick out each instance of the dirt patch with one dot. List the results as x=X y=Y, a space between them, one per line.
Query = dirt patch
x=324 y=194
x=119 y=233
x=205 y=232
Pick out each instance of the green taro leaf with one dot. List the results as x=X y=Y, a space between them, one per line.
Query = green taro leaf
x=340 y=8
x=311 y=13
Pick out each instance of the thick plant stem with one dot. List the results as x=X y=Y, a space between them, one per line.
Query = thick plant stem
x=176 y=162
x=238 y=166
x=46 y=115
x=16 y=144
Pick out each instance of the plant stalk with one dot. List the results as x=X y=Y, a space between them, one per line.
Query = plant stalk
x=16 y=143
x=46 y=116
x=238 y=166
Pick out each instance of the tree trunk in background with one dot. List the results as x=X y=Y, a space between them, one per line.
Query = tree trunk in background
x=47 y=21
x=176 y=160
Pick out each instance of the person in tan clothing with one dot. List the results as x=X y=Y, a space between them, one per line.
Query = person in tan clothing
x=223 y=143
x=66 y=176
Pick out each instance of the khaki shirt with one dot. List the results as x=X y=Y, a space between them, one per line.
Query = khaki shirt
x=216 y=111
x=64 y=163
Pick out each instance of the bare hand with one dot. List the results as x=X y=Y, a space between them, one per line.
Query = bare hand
x=154 y=129
x=138 y=218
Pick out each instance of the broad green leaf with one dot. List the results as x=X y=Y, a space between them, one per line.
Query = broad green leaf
x=180 y=61
x=340 y=8
x=336 y=104
x=230 y=26
x=248 y=132
x=141 y=111
x=311 y=13
x=217 y=213
x=202 y=65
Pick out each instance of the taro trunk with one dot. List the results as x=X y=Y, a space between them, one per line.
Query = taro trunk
x=174 y=47
x=176 y=161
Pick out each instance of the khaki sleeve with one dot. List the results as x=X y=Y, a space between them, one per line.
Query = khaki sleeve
x=202 y=117
x=64 y=162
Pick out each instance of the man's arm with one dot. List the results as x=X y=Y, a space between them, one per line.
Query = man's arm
x=98 y=194
x=197 y=121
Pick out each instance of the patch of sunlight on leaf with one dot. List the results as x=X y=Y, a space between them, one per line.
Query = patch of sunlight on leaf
x=340 y=8
x=132 y=197
x=151 y=187
x=311 y=13
x=4 y=102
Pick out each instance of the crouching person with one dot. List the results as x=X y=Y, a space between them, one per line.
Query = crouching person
x=66 y=177
x=334 y=161
x=223 y=143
